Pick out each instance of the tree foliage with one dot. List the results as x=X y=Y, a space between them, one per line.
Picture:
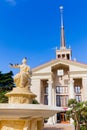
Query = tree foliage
x=35 y=101
x=6 y=84
x=78 y=112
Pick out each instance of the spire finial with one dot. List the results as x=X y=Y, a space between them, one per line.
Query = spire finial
x=61 y=11
x=62 y=29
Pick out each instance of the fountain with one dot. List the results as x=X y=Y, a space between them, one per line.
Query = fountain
x=19 y=113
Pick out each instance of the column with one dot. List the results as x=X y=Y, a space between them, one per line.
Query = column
x=33 y=124
x=50 y=92
x=50 y=120
x=54 y=104
x=70 y=57
x=84 y=89
x=65 y=56
x=40 y=125
x=27 y=125
x=71 y=94
x=71 y=89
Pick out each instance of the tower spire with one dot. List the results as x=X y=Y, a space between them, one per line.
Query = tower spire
x=63 y=52
x=62 y=30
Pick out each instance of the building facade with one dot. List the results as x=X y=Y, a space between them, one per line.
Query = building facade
x=60 y=79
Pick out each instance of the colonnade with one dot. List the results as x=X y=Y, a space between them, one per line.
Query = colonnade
x=51 y=120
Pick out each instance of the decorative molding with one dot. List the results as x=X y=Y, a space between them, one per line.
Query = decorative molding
x=78 y=72
x=41 y=74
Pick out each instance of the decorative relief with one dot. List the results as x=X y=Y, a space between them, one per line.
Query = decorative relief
x=19 y=99
x=12 y=125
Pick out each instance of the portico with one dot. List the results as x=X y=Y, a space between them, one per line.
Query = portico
x=56 y=90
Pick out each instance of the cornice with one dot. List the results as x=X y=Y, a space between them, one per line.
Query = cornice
x=41 y=74
x=78 y=72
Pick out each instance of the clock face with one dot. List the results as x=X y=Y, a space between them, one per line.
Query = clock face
x=60 y=72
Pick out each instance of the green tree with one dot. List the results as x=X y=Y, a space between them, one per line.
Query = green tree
x=35 y=101
x=6 y=84
x=78 y=112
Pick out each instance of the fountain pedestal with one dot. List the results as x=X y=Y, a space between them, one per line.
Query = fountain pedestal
x=20 y=96
x=34 y=124
x=21 y=122
x=17 y=122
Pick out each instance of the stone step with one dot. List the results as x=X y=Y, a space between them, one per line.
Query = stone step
x=51 y=128
x=59 y=127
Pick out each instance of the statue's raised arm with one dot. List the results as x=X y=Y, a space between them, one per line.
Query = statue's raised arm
x=23 y=78
x=14 y=65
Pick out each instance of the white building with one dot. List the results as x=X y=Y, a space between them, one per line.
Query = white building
x=61 y=79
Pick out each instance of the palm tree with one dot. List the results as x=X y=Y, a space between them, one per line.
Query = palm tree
x=78 y=112
x=84 y=116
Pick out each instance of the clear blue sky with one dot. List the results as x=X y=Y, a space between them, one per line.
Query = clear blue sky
x=31 y=28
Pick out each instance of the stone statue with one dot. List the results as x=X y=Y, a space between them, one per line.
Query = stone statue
x=23 y=78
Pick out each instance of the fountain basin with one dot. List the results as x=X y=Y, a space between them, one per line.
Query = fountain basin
x=17 y=111
x=25 y=116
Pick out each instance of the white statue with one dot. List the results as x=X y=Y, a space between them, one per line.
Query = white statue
x=23 y=78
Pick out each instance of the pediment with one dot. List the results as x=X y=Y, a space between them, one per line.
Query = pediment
x=73 y=66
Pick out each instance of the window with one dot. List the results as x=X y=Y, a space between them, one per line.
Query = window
x=61 y=96
x=61 y=89
x=46 y=90
x=46 y=95
x=46 y=99
x=68 y=56
x=61 y=100
x=77 y=89
x=63 y=55
x=78 y=93
x=78 y=98
x=57 y=89
x=58 y=56
x=58 y=102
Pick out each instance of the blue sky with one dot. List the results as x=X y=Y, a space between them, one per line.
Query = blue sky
x=31 y=28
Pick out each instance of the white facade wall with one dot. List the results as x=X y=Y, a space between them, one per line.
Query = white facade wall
x=36 y=88
x=44 y=70
x=84 y=91
x=77 y=68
